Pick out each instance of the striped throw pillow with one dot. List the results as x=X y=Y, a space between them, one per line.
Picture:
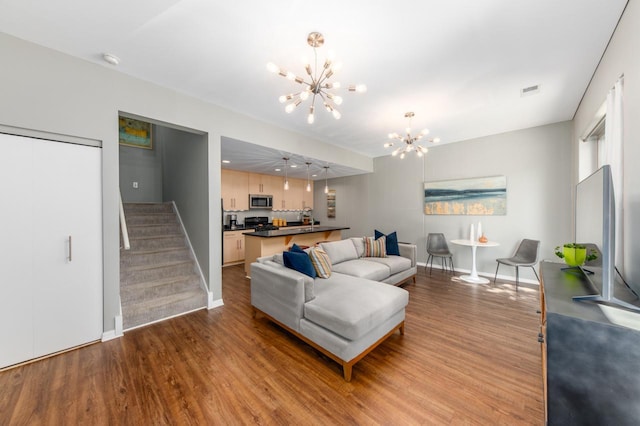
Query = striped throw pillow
x=321 y=262
x=375 y=248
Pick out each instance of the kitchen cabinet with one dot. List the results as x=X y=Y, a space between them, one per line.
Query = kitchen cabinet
x=292 y=198
x=273 y=185
x=233 y=246
x=235 y=190
x=307 y=197
x=265 y=184
x=257 y=184
x=276 y=186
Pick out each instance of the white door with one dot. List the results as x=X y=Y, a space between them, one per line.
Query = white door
x=63 y=246
x=16 y=248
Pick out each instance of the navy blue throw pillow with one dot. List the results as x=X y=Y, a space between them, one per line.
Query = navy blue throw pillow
x=299 y=262
x=392 y=242
x=296 y=249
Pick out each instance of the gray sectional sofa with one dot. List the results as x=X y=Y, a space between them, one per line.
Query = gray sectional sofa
x=346 y=315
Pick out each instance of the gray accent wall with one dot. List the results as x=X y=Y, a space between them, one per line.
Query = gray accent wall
x=143 y=166
x=621 y=57
x=184 y=176
x=536 y=162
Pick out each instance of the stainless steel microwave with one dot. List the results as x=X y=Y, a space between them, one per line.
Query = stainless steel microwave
x=260 y=201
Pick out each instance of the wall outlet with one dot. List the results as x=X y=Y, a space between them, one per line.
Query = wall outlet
x=135 y=185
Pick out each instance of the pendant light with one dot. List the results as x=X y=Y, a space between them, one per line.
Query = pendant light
x=326 y=184
x=308 y=182
x=286 y=181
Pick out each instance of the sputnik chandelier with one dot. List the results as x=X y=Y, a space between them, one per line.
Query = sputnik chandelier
x=409 y=143
x=319 y=84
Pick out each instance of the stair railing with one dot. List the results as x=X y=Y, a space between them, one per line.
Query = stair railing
x=123 y=226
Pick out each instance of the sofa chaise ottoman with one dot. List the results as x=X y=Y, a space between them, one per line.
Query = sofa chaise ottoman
x=347 y=314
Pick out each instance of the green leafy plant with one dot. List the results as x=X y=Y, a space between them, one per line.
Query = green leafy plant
x=575 y=254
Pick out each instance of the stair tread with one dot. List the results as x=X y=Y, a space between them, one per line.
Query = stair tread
x=157 y=265
x=168 y=300
x=162 y=281
x=151 y=237
x=148 y=225
x=139 y=213
x=158 y=250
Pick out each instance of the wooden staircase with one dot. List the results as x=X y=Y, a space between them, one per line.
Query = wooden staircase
x=159 y=277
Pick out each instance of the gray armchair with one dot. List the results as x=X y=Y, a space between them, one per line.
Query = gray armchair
x=526 y=255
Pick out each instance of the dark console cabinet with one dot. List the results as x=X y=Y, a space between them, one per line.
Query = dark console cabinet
x=590 y=353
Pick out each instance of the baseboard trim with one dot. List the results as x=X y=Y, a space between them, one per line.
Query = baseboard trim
x=165 y=318
x=110 y=335
x=488 y=275
x=213 y=303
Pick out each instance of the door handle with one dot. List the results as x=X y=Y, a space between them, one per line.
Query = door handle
x=70 y=249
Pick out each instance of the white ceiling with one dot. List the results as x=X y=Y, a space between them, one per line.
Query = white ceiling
x=459 y=65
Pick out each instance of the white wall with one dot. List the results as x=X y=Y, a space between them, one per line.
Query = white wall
x=621 y=58
x=45 y=90
x=536 y=162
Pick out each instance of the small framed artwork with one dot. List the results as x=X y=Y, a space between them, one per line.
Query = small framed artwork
x=135 y=133
x=331 y=203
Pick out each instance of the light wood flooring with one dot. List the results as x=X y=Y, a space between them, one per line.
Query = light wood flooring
x=469 y=356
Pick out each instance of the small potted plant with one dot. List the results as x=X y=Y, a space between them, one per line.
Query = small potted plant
x=575 y=254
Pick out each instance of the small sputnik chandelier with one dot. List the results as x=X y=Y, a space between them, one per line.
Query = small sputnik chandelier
x=319 y=84
x=409 y=143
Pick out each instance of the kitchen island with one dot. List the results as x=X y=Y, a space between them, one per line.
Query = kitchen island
x=265 y=243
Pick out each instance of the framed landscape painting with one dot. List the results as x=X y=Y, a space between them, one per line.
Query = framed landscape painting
x=331 y=203
x=476 y=196
x=135 y=133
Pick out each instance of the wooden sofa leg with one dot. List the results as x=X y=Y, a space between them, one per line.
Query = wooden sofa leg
x=402 y=329
x=346 y=371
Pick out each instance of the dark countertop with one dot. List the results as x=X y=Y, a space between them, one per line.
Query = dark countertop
x=298 y=223
x=288 y=232
x=289 y=224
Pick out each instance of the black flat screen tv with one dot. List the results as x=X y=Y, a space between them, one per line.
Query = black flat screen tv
x=595 y=221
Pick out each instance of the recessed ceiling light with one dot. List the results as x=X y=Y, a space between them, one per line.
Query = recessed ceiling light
x=226 y=161
x=314 y=175
x=278 y=170
x=110 y=58
x=293 y=166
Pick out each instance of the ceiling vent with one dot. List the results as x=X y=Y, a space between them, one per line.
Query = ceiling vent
x=531 y=90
